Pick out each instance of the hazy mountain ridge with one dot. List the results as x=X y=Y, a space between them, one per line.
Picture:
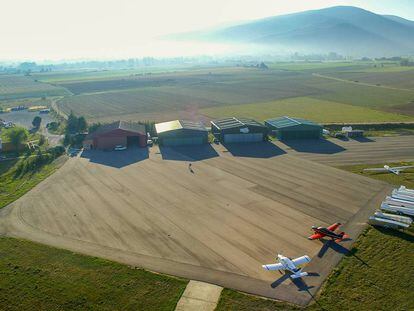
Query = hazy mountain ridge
x=346 y=30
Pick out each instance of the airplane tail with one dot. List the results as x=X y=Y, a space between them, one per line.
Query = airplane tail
x=298 y=275
x=343 y=237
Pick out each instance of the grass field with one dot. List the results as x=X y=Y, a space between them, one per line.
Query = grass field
x=405 y=178
x=19 y=86
x=37 y=277
x=308 y=108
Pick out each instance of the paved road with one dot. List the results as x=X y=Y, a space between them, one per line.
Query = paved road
x=336 y=152
x=218 y=222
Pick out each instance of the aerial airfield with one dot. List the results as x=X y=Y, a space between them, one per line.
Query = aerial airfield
x=222 y=213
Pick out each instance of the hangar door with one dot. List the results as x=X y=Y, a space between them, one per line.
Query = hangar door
x=182 y=141
x=300 y=135
x=243 y=138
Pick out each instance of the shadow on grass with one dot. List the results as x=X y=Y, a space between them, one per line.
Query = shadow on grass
x=321 y=146
x=254 y=150
x=399 y=234
x=188 y=153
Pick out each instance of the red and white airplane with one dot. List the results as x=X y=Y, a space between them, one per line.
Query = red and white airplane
x=321 y=232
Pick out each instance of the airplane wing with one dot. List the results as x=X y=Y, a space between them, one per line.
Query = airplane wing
x=301 y=260
x=400 y=168
x=316 y=236
x=273 y=267
x=334 y=226
x=377 y=169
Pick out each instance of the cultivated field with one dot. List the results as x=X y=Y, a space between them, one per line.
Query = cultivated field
x=218 y=224
x=164 y=95
x=19 y=86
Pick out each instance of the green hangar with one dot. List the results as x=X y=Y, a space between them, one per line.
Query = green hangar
x=286 y=128
x=238 y=130
x=180 y=132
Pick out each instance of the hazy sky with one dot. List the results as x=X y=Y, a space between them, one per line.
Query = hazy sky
x=66 y=29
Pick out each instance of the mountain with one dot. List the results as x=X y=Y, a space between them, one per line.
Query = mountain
x=343 y=29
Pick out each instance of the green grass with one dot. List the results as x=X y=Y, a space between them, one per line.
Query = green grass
x=38 y=277
x=12 y=187
x=405 y=178
x=309 y=108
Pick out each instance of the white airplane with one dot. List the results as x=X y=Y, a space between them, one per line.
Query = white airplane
x=395 y=170
x=291 y=265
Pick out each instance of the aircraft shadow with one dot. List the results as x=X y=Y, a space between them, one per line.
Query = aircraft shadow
x=320 y=146
x=299 y=283
x=333 y=245
x=339 y=249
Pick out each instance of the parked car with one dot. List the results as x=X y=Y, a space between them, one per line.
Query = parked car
x=150 y=142
x=120 y=148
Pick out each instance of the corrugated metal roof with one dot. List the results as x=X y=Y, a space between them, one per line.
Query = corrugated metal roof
x=123 y=125
x=288 y=122
x=235 y=122
x=178 y=125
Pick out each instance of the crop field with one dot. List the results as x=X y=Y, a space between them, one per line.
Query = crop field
x=18 y=86
x=399 y=79
x=211 y=92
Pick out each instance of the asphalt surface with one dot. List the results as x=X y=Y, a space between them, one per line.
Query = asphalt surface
x=217 y=221
x=336 y=152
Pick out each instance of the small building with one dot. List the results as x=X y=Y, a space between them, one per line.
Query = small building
x=122 y=133
x=238 y=130
x=286 y=128
x=349 y=132
x=181 y=132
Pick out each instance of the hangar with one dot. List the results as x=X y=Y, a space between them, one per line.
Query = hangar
x=285 y=128
x=117 y=133
x=181 y=132
x=237 y=130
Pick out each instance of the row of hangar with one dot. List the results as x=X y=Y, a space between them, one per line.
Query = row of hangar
x=182 y=132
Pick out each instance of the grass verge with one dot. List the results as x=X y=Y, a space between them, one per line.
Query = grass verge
x=38 y=277
x=13 y=187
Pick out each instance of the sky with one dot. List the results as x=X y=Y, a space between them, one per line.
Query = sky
x=105 y=29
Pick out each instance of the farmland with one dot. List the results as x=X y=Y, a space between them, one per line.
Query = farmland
x=206 y=92
x=308 y=108
x=382 y=93
x=19 y=86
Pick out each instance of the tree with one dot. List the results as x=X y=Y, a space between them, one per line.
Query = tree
x=82 y=125
x=36 y=121
x=17 y=136
x=72 y=124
